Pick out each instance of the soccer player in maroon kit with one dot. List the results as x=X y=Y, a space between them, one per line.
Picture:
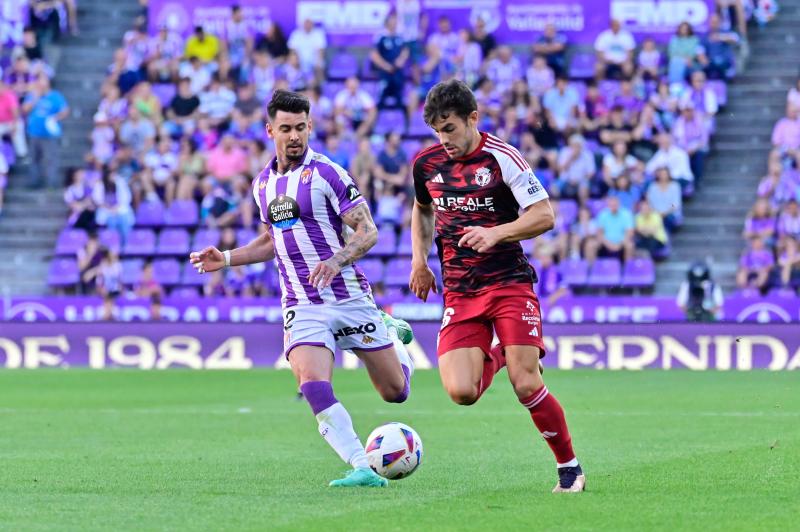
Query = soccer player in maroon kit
x=471 y=188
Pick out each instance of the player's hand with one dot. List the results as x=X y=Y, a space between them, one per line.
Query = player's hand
x=323 y=274
x=422 y=281
x=208 y=260
x=481 y=239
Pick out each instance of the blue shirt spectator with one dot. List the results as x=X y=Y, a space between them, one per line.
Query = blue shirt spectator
x=389 y=56
x=615 y=221
x=43 y=117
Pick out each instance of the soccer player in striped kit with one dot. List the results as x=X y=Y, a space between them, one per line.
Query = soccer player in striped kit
x=308 y=203
x=482 y=198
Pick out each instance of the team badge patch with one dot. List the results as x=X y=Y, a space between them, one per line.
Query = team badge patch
x=353 y=193
x=305 y=176
x=483 y=176
x=283 y=211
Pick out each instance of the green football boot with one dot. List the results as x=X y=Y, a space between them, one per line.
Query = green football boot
x=361 y=477
x=404 y=332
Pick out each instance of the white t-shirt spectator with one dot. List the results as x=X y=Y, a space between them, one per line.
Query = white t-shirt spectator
x=199 y=78
x=357 y=104
x=504 y=74
x=308 y=46
x=615 y=167
x=615 y=46
x=217 y=104
x=580 y=170
x=163 y=165
x=447 y=43
x=676 y=159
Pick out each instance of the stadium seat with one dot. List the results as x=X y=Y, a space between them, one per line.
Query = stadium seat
x=596 y=205
x=164 y=92
x=63 y=272
x=372 y=87
x=150 y=214
x=173 y=241
x=167 y=271
x=70 y=240
x=574 y=272
x=244 y=236
x=182 y=213
x=390 y=120
x=582 y=65
x=605 y=272
x=185 y=292
x=372 y=268
x=411 y=148
x=191 y=277
x=140 y=242
x=404 y=244
x=367 y=71
x=110 y=238
x=417 y=127
x=204 y=238
x=331 y=88
x=639 y=273
x=342 y=65
x=131 y=271
x=609 y=88
x=720 y=89
x=568 y=210
x=397 y=273
x=387 y=242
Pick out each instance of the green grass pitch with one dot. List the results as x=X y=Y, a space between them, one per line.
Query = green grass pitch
x=182 y=450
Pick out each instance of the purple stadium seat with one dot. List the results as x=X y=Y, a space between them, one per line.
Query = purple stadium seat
x=164 y=92
x=331 y=89
x=417 y=127
x=580 y=87
x=609 y=88
x=367 y=71
x=173 y=241
x=390 y=120
x=150 y=214
x=582 y=65
x=783 y=292
x=373 y=88
x=605 y=272
x=182 y=213
x=63 y=272
x=720 y=90
x=342 y=65
x=167 y=271
x=574 y=272
x=411 y=148
x=140 y=242
x=204 y=238
x=372 y=268
x=568 y=209
x=131 y=271
x=191 y=277
x=110 y=239
x=596 y=205
x=397 y=272
x=185 y=292
x=70 y=240
x=244 y=236
x=639 y=273
x=387 y=242
x=404 y=245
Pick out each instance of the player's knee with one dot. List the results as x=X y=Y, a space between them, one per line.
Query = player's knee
x=394 y=392
x=463 y=395
x=525 y=385
x=402 y=396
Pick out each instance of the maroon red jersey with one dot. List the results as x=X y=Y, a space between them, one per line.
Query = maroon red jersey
x=487 y=187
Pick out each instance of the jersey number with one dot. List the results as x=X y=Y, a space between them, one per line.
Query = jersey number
x=448 y=312
x=287 y=321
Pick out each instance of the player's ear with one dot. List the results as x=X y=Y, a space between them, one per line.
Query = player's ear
x=310 y=125
x=270 y=133
x=472 y=118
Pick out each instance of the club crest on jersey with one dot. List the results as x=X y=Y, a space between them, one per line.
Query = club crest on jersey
x=283 y=211
x=305 y=176
x=262 y=185
x=482 y=176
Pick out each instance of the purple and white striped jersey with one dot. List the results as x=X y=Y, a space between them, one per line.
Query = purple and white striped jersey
x=303 y=210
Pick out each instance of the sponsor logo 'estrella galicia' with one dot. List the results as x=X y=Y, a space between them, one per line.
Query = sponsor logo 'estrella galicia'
x=364 y=328
x=283 y=211
x=483 y=176
x=352 y=192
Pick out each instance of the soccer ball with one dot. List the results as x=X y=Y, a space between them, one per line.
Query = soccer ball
x=394 y=450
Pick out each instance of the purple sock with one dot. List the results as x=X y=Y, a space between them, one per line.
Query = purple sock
x=406 y=389
x=319 y=395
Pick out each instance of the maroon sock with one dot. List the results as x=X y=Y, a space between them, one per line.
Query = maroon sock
x=491 y=365
x=548 y=416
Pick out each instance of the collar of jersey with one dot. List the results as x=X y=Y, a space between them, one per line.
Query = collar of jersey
x=476 y=151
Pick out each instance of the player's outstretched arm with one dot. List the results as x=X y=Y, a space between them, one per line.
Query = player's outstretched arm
x=210 y=259
x=422 y=280
x=537 y=219
x=365 y=236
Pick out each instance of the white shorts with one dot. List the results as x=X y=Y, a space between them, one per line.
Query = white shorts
x=354 y=324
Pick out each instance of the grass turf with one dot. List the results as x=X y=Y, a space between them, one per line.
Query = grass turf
x=187 y=450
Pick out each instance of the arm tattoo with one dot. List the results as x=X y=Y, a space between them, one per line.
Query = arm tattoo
x=365 y=236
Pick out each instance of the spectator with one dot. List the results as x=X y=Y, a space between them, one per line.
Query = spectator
x=789 y=262
x=576 y=166
x=247 y=106
x=322 y=113
x=45 y=109
x=217 y=104
x=755 y=266
x=691 y=132
x=115 y=211
x=561 y=104
x=89 y=257
x=146 y=102
x=102 y=136
x=136 y=132
x=335 y=151
x=238 y=284
x=408 y=26
x=552 y=45
x=434 y=69
x=683 y=48
x=551 y=286
x=354 y=108
x=273 y=42
x=617 y=129
x=628 y=194
x=646 y=132
x=489 y=101
x=227 y=162
x=198 y=75
x=649 y=61
x=203 y=46
x=594 y=111
x=148 y=286
x=237 y=44
x=10 y=119
x=557 y=239
x=760 y=222
x=113 y=106
x=30 y=44
x=665 y=104
x=701 y=95
x=22 y=77
x=391 y=170
x=390 y=56
x=674 y=158
x=616 y=226
x=793 y=97
x=124 y=72
x=445 y=39
x=469 y=58
x=44 y=20
x=164 y=55
x=664 y=196
x=786 y=133
x=718 y=49
x=161 y=167
x=262 y=74
x=362 y=166
x=619 y=162
x=309 y=42
x=650 y=232
x=732 y=16
x=630 y=102
x=777 y=186
x=215 y=284
x=540 y=76
x=182 y=112
x=614 y=48
x=191 y=165
x=291 y=72
x=483 y=38
x=136 y=44
x=584 y=239
x=788 y=226
x=108 y=282
x=504 y=69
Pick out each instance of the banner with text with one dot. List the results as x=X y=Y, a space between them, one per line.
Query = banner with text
x=357 y=22
x=719 y=346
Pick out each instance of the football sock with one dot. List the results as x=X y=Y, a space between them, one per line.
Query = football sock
x=405 y=363
x=548 y=416
x=335 y=424
x=491 y=365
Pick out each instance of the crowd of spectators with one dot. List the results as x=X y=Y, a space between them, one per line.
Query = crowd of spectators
x=619 y=146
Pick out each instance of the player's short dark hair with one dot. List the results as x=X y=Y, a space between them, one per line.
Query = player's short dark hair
x=449 y=97
x=288 y=102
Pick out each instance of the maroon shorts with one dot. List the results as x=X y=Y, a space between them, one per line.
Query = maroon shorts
x=512 y=311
